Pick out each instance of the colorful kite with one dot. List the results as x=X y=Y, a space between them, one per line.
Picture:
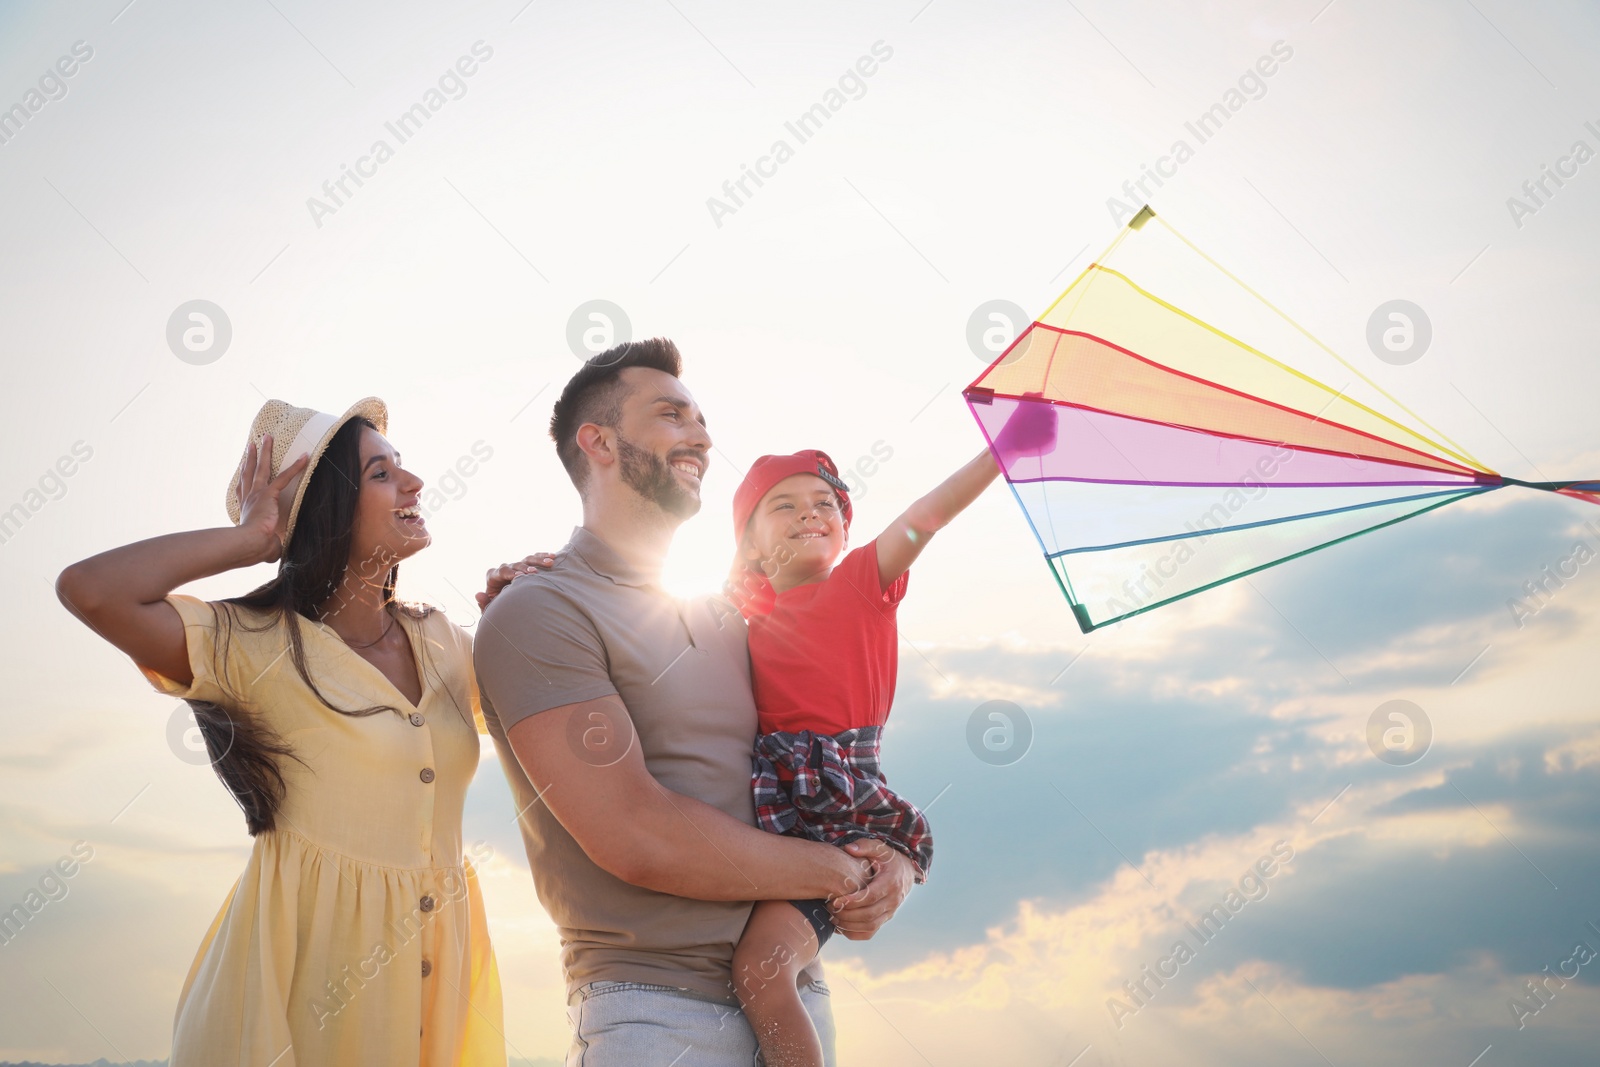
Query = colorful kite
x=1186 y=457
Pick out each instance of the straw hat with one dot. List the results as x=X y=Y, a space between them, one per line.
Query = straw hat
x=295 y=431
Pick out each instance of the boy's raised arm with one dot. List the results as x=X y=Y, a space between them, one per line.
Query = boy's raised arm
x=1031 y=430
x=901 y=544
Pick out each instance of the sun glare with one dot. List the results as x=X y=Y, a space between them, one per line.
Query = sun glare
x=699 y=560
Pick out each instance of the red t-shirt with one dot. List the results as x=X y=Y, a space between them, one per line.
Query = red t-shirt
x=824 y=658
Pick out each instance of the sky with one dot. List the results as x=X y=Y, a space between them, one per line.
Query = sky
x=194 y=152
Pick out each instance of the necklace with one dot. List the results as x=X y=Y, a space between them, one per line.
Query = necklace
x=380 y=637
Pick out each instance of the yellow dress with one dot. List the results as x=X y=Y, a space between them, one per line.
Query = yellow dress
x=356 y=934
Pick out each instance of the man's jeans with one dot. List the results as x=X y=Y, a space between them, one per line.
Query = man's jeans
x=634 y=1024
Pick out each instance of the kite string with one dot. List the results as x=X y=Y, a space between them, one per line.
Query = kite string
x=1459 y=453
x=1466 y=463
x=1093 y=263
x=1006 y=356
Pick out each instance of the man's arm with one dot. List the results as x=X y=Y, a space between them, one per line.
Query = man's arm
x=643 y=833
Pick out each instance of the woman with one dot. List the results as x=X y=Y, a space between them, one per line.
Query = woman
x=345 y=724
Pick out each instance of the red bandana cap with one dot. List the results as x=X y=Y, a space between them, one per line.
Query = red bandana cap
x=768 y=471
x=747 y=585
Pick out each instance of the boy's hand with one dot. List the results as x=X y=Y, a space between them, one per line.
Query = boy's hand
x=1030 y=431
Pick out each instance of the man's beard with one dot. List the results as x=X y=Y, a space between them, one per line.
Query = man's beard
x=649 y=475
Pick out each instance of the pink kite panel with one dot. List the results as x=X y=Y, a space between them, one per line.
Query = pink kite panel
x=1098 y=446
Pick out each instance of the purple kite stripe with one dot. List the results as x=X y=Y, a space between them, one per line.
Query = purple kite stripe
x=1096 y=446
x=1464 y=483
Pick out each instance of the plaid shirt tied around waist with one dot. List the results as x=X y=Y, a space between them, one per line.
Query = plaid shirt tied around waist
x=830 y=788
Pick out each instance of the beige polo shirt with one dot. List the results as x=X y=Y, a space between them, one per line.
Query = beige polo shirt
x=595 y=626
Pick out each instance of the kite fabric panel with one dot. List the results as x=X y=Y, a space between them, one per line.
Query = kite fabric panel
x=1184 y=456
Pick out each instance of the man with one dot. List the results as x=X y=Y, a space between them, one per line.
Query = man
x=624 y=721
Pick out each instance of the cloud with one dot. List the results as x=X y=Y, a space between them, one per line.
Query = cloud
x=1366 y=946
x=1418 y=902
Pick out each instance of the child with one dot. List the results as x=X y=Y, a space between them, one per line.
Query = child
x=823 y=656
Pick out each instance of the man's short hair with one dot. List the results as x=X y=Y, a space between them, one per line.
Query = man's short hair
x=595 y=394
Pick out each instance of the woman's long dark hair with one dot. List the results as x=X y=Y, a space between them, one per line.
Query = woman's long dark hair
x=244 y=749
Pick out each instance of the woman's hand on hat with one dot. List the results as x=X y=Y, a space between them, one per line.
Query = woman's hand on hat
x=500 y=577
x=264 y=500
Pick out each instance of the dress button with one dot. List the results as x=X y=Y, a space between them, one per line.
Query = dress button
x=416 y=718
x=427 y=774
x=427 y=903
x=427 y=968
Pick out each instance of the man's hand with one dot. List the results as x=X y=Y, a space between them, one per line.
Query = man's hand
x=862 y=913
x=500 y=577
